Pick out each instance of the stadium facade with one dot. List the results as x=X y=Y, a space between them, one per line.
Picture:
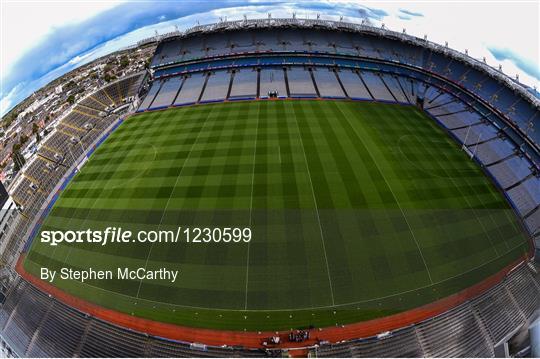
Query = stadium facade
x=491 y=116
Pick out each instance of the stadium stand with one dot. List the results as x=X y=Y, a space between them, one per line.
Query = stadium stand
x=394 y=87
x=272 y=80
x=300 y=82
x=353 y=85
x=454 y=121
x=74 y=134
x=472 y=324
x=526 y=196
x=510 y=171
x=327 y=83
x=493 y=151
x=150 y=96
x=244 y=85
x=191 y=90
x=167 y=93
x=472 y=135
x=217 y=87
x=376 y=86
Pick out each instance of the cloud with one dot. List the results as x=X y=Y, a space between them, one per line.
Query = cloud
x=368 y=12
x=63 y=44
x=527 y=66
x=410 y=13
x=10 y=99
x=404 y=17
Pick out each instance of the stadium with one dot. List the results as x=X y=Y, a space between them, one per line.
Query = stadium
x=384 y=192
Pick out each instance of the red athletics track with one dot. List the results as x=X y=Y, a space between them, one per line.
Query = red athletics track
x=254 y=339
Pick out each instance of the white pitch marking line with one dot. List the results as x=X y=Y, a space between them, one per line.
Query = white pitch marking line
x=484 y=229
x=169 y=200
x=395 y=198
x=251 y=209
x=318 y=215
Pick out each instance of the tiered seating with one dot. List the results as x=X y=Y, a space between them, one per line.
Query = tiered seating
x=13 y=298
x=91 y=102
x=167 y=93
x=107 y=95
x=493 y=151
x=407 y=85
x=216 y=44
x=242 y=42
x=526 y=196
x=498 y=313
x=272 y=79
x=376 y=86
x=451 y=107
x=81 y=119
x=113 y=91
x=44 y=173
x=88 y=111
x=524 y=291
x=474 y=134
x=103 y=98
x=165 y=349
x=353 y=85
x=510 y=171
x=327 y=83
x=532 y=221
x=130 y=86
x=300 y=83
x=147 y=102
x=217 y=87
x=71 y=130
x=394 y=87
x=26 y=318
x=363 y=46
x=402 y=343
x=63 y=325
x=467 y=330
x=462 y=119
x=191 y=89
x=244 y=85
x=104 y=340
x=25 y=193
x=455 y=333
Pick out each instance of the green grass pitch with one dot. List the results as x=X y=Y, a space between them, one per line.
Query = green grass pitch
x=358 y=210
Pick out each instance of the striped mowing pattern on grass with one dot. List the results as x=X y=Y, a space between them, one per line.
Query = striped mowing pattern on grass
x=358 y=210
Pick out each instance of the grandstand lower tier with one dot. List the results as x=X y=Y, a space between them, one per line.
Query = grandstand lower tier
x=33 y=323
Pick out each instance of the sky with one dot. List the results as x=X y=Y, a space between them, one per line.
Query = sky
x=41 y=40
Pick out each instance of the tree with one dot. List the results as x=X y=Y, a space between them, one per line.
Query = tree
x=23 y=139
x=71 y=99
x=18 y=159
x=124 y=61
